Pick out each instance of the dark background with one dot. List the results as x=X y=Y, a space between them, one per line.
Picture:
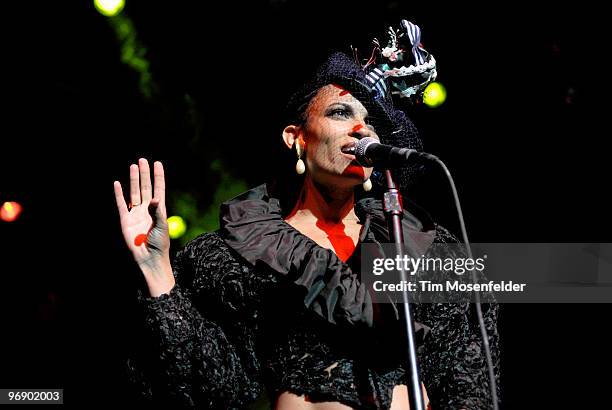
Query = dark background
x=522 y=130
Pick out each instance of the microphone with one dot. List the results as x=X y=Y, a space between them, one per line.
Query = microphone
x=369 y=153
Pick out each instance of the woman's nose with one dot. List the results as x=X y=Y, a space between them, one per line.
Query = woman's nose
x=358 y=127
x=361 y=130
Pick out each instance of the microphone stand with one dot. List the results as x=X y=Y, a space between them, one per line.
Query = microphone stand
x=392 y=202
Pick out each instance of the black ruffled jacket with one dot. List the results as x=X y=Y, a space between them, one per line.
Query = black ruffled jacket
x=258 y=304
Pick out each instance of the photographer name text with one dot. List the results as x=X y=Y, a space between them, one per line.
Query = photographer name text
x=449 y=286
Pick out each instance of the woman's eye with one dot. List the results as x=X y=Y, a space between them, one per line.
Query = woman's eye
x=339 y=112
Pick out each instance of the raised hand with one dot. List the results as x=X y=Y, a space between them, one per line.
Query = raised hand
x=144 y=224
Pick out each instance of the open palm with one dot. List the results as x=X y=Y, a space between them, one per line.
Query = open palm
x=144 y=225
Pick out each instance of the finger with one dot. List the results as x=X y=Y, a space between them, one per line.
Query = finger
x=158 y=212
x=145 y=180
x=134 y=185
x=121 y=206
x=160 y=182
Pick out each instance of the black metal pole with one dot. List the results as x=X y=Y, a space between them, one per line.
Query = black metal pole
x=393 y=208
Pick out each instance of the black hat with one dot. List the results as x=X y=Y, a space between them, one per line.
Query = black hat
x=341 y=70
x=392 y=126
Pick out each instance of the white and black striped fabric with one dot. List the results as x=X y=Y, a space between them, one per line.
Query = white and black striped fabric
x=414 y=35
x=377 y=80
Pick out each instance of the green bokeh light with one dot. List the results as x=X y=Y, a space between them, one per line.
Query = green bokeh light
x=176 y=227
x=434 y=95
x=109 y=8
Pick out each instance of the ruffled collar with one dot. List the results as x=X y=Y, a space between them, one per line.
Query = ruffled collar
x=252 y=224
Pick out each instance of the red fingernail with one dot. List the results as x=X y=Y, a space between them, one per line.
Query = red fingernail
x=357 y=127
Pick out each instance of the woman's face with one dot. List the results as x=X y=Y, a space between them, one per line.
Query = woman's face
x=335 y=119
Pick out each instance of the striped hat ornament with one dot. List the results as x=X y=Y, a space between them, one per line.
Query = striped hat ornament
x=407 y=67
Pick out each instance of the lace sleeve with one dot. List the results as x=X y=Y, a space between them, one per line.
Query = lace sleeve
x=192 y=362
x=454 y=361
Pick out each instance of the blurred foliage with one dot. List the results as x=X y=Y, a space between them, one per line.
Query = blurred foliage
x=199 y=217
x=199 y=220
x=133 y=53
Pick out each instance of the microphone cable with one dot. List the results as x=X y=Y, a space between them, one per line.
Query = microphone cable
x=483 y=330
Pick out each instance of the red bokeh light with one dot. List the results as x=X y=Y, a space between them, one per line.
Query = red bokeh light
x=10 y=211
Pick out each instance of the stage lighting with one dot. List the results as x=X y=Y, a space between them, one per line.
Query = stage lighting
x=10 y=211
x=434 y=95
x=176 y=227
x=109 y=8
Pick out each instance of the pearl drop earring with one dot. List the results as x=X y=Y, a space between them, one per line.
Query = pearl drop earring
x=300 y=167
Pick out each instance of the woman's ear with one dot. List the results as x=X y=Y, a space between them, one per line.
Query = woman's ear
x=290 y=135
